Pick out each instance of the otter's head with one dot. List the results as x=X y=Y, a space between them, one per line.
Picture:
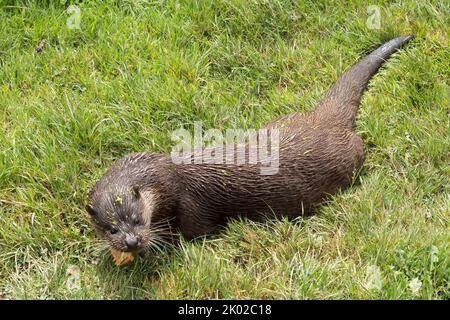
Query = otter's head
x=129 y=205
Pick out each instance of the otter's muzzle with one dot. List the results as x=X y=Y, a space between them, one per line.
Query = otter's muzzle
x=131 y=242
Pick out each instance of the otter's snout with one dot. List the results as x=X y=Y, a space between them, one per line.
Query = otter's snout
x=131 y=242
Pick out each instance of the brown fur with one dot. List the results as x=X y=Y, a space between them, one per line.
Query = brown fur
x=319 y=154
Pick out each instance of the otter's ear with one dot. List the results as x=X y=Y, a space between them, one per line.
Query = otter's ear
x=91 y=210
x=136 y=192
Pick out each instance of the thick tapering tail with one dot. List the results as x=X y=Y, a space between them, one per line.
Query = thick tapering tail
x=342 y=100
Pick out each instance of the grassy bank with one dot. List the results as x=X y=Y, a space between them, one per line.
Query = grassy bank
x=135 y=71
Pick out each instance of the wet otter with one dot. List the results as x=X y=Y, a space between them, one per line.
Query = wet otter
x=141 y=197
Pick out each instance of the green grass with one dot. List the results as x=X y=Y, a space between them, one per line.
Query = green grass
x=136 y=71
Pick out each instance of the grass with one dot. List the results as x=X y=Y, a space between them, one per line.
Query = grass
x=138 y=70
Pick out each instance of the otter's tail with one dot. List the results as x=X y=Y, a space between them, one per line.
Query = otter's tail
x=342 y=100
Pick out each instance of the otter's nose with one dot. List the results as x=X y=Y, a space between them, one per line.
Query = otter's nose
x=131 y=242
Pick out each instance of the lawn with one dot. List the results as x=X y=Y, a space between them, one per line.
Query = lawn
x=74 y=100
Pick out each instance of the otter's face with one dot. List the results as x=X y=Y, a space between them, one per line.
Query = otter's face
x=122 y=217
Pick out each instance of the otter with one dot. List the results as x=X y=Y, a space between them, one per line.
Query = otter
x=144 y=197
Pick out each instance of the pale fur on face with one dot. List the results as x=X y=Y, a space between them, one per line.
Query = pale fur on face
x=149 y=199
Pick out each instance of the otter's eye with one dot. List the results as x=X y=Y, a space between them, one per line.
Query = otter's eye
x=113 y=230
